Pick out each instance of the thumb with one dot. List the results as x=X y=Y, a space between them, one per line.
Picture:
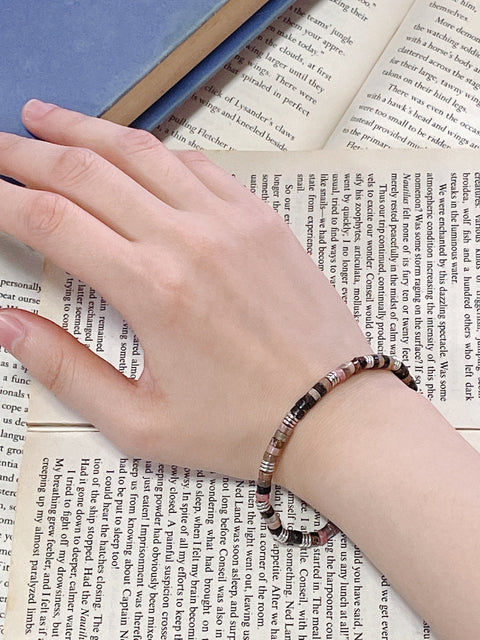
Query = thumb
x=76 y=375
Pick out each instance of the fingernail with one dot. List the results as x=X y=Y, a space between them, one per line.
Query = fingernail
x=11 y=330
x=35 y=109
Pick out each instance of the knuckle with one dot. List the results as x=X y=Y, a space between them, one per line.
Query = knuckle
x=138 y=141
x=193 y=158
x=264 y=222
x=176 y=292
x=60 y=374
x=10 y=143
x=210 y=249
x=45 y=213
x=169 y=284
x=75 y=165
x=207 y=247
x=142 y=435
x=255 y=223
x=139 y=439
x=272 y=223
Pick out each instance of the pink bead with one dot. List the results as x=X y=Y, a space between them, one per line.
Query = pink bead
x=342 y=376
x=349 y=369
x=322 y=537
x=262 y=497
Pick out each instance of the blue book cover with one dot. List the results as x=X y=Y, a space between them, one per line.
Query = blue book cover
x=91 y=56
x=227 y=50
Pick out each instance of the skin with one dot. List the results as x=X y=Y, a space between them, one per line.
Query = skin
x=233 y=334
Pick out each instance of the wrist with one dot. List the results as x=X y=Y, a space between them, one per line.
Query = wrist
x=280 y=439
x=333 y=438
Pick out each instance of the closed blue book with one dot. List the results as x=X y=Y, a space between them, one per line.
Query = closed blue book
x=211 y=64
x=113 y=58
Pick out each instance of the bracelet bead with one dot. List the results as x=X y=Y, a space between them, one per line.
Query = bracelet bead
x=282 y=435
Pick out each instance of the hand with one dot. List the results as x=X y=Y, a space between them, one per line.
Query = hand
x=235 y=320
x=236 y=323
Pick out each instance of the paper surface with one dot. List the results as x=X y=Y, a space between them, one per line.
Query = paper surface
x=195 y=555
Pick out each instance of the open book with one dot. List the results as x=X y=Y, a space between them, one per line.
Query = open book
x=345 y=74
x=335 y=73
x=109 y=545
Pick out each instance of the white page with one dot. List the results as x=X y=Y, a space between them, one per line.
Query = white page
x=367 y=219
x=290 y=86
x=108 y=546
x=424 y=92
x=78 y=309
x=397 y=233
x=20 y=272
x=136 y=545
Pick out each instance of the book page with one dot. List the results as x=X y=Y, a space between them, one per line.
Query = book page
x=108 y=546
x=424 y=91
x=86 y=315
x=290 y=86
x=186 y=546
x=398 y=235
x=20 y=272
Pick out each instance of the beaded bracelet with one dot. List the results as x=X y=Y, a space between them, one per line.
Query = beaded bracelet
x=279 y=441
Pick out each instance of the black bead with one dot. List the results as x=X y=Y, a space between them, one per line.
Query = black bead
x=268 y=513
x=297 y=413
x=294 y=537
x=305 y=403
x=320 y=388
x=263 y=490
x=402 y=372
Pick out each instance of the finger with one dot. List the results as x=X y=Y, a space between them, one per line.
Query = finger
x=77 y=376
x=67 y=235
x=137 y=153
x=216 y=179
x=85 y=178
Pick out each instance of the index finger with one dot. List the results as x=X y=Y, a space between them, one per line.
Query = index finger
x=86 y=179
x=137 y=153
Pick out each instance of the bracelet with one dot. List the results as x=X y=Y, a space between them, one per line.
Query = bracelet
x=282 y=435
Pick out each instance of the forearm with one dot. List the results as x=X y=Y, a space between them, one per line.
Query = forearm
x=385 y=466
